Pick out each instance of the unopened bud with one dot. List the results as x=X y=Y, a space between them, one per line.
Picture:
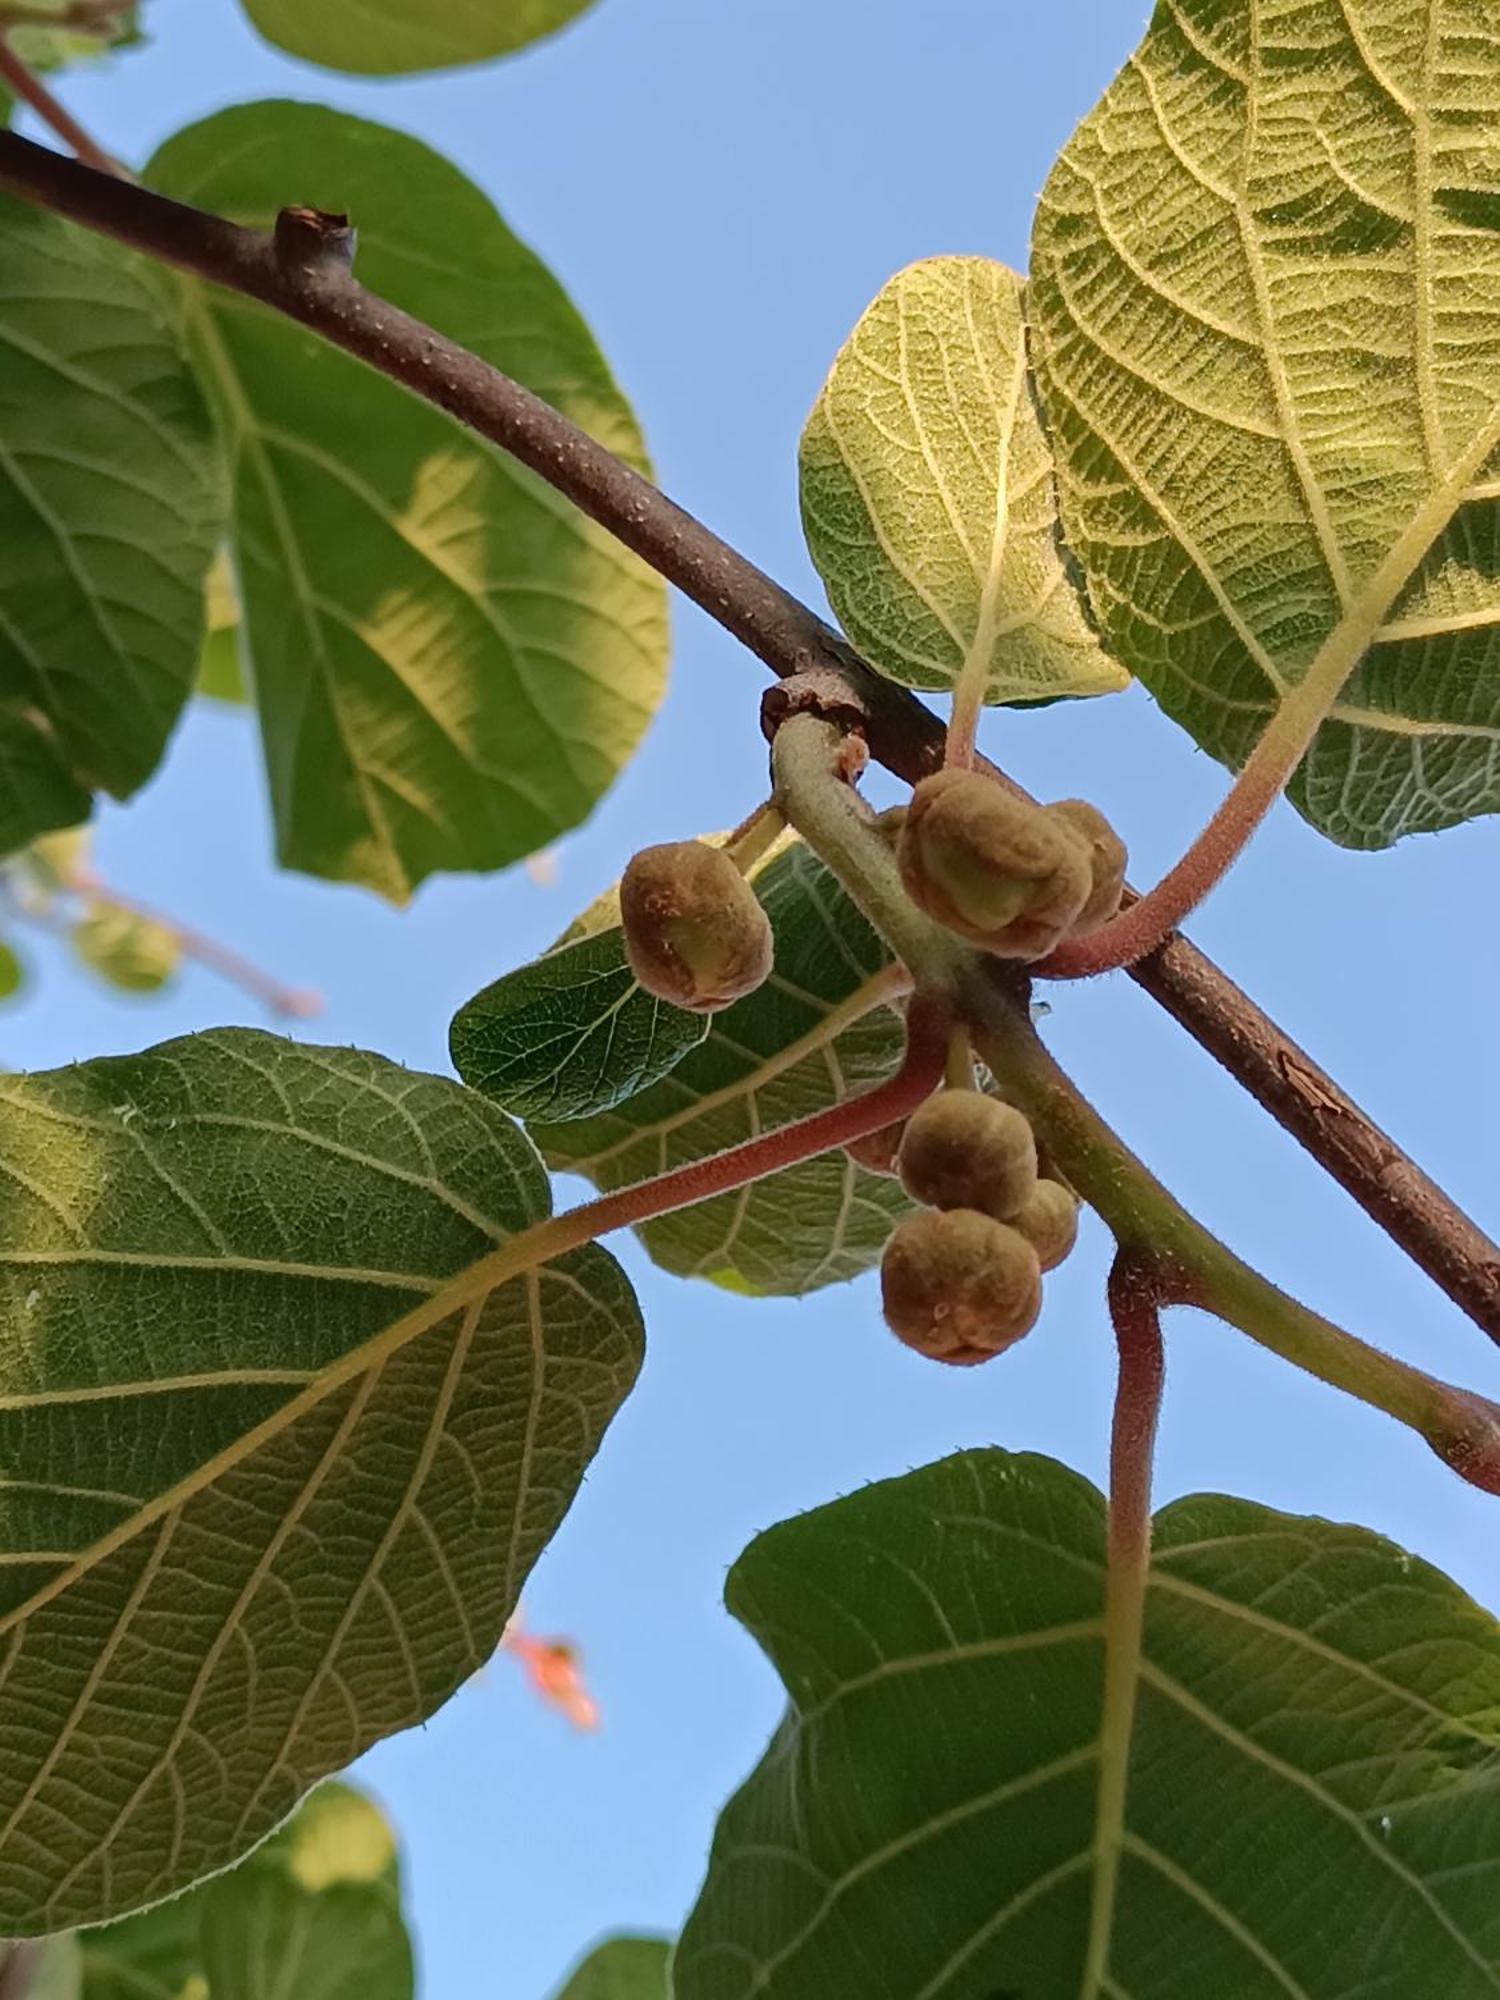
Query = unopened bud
x=994 y=868
x=965 y=1150
x=694 y=933
x=958 y=1286
x=1049 y=1222
x=1107 y=862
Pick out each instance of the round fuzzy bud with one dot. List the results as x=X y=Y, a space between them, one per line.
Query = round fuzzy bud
x=965 y=1150
x=694 y=933
x=959 y=1286
x=876 y=1152
x=1049 y=1222
x=1107 y=861
x=990 y=866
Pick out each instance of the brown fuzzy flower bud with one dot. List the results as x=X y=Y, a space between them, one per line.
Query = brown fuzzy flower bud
x=1107 y=861
x=965 y=1150
x=1049 y=1222
x=959 y=1286
x=990 y=866
x=877 y=1151
x=694 y=932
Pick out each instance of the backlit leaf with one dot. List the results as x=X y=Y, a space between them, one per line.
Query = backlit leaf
x=386 y=37
x=626 y=1968
x=451 y=664
x=1266 y=290
x=1313 y=1800
x=135 y=953
x=815 y=1033
x=280 y=1440
x=111 y=503
x=929 y=500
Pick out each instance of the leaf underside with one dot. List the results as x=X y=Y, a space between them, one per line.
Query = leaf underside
x=803 y=1042
x=276 y=1460
x=1314 y=1783
x=391 y=37
x=110 y=501
x=928 y=495
x=1266 y=294
x=451 y=664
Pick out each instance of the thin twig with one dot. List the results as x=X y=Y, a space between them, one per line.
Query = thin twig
x=785 y=634
x=29 y=87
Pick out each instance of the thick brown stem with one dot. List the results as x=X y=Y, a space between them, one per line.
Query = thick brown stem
x=785 y=634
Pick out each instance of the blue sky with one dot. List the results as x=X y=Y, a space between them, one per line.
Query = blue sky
x=724 y=188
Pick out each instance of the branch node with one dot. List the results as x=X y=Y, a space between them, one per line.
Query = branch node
x=309 y=240
x=820 y=691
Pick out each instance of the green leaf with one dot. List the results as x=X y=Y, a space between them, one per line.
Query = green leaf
x=313 y=1914
x=811 y=1036
x=280 y=1441
x=451 y=664
x=1266 y=290
x=570 y=1035
x=134 y=953
x=221 y=671
x=929 y=500
x=12 y=971
x=389 y=37
x=1313 y=1806
x=626 y=1968
x=110 y=506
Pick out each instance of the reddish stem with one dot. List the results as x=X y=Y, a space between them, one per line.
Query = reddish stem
x=29 y=87
x=1134 y=1298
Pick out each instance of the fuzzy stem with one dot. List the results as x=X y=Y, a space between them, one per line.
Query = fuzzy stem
x=1137 y=1324
x=29 y=87
x=1197 y=1269
x=755 y=836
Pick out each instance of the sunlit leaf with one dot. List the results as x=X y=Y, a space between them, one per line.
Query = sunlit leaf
x=1313 y=1802
x=111 y=503
x=135 y=953
x=1266 y=289
x=221 y=671
x=626 y=1968
x=385 y=37
x=812 y=1035
x=929 y=500
x=280 y=1443
x=451 y=664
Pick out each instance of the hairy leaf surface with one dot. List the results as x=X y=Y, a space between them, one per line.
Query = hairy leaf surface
x=1314 y=1780
x=808 y=1038
x=451 y=664
x=929 y=500
x=626 y=1968
x=280 y=1441
x=389 y=37
x=111 y=500
x=1266 y=289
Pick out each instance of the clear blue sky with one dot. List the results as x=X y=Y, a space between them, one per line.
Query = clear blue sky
x=724 y=187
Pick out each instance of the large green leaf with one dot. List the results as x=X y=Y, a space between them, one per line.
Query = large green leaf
x=929 y=499
x=1314 y=1778
x=313 y=1914
x=387 y=37
x=807 y=1039
x=451 y=663
x=1266 y=286
x=110 y=504
x=279 y=1443
x=626 y=1968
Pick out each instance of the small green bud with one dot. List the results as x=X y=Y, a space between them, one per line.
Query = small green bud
x=1107 y=861
x=694 y=933
x=959 y=1286
x=1049 y=1222
x=965 y=1150
x=994 y=868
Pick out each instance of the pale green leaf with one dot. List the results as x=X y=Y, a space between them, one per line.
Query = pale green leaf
x=221 y=671
x=812 y=1035
x=451 y=663
x=626 y=1968
x=313 y=1914
x=388 y=37
x=280 y=1444
x=1266 y=290
x=928 y=495
x=570 y=1035
x=134 y=953
x=12 y=971
x=1313 y=1801
x=111 y=504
